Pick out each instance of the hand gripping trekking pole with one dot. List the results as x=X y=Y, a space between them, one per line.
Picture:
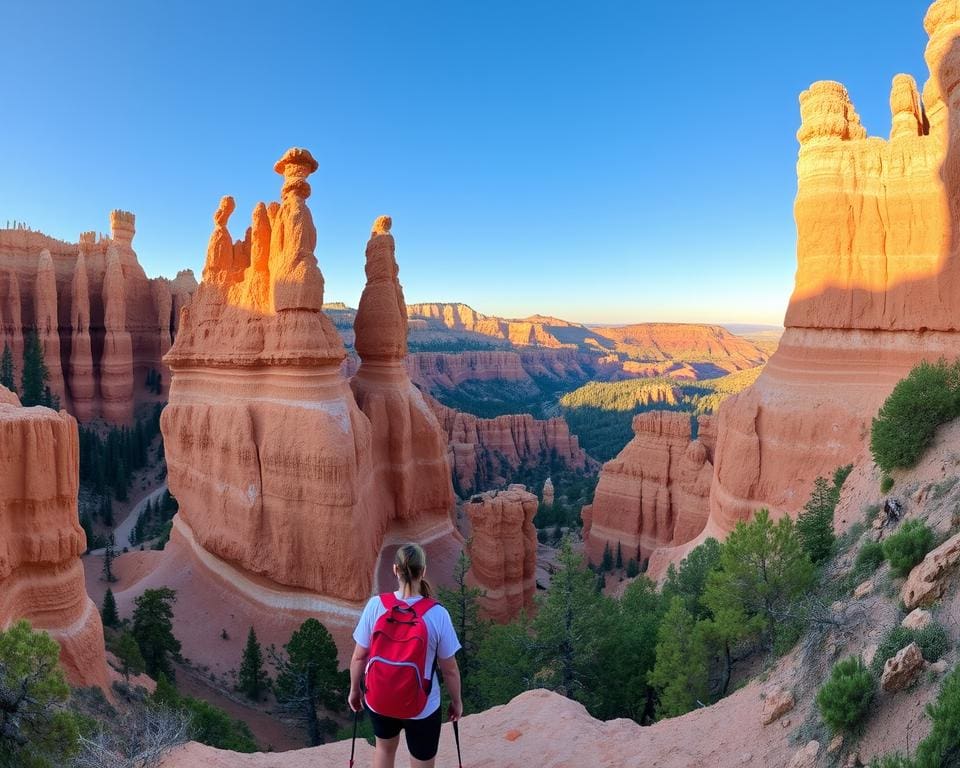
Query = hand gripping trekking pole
x=456 y=738
x=353 y=744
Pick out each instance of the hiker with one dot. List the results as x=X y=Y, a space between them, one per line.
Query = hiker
x=393 y=673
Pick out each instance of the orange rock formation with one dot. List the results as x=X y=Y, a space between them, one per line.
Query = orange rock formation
x=655 y=492
x=290 y=492
x=503 y=551
x=409 y=450
x=482 y=450
x=41 y=577
x=58 y=288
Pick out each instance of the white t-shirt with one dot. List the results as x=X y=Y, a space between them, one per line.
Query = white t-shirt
x=440 y=635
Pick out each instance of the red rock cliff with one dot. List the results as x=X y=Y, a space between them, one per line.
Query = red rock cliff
x=481 y=450
x=43 y=285
x=503 y=551
x=876 y=286
x=655 y=492
x=41 y=577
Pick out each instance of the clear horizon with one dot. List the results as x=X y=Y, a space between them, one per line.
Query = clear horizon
x=605 y=165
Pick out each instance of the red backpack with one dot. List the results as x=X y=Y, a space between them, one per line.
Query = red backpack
x=395 y=683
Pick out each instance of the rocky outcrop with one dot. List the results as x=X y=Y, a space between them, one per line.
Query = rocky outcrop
x=39 y=278
x=41 y=577
x=116 y=363
x=683 y=341
x=876 y=288
x=503 y=551
x=409 y=450
x=548 y=492
x=483 y=451
x=654 y=493
x=292 y=497
x=900 y=670
x=928 y=580
x=436 y=370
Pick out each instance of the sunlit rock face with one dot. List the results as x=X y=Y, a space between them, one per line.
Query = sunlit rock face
x=300 y=484
x=412 y=476
x=41 y=577
x=876 y=286
x=503 y=551
x=655 y=492
x=61 y=289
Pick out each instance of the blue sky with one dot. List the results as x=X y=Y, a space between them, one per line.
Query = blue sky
x=600 y=161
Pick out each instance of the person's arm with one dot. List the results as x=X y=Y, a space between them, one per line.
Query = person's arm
x=357 y=664
x=451 y=678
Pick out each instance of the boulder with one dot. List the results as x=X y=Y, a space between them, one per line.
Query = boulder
x=927 y=581
x=900 y=670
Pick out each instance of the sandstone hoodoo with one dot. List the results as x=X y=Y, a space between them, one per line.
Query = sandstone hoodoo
x=41 y=576
x=288 y=489
x=503 y=551
x=655 y=492
x=60 y=289
x=409 y=449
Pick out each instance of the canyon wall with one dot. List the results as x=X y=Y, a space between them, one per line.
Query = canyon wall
x=878 y=271
x=483 y=451
x=503 y=551
x=61 y=289
x=655 y=492
x=41 y=576
x=296 y=485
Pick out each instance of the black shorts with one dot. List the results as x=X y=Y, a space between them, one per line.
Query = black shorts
x=423 y=735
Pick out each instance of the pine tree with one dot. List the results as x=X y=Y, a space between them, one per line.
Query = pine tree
x=109 y=553
x=680 y=673
x=153 y=630
x=87 y=526
x=461 y=602
x=308 y=676
x=6 y=368
x=607 y=563
x=109 y=611
x=815 y=522
x=619 y=563
x=252 y=678
x=762 y=573
x=35 y=375
x=131 y=659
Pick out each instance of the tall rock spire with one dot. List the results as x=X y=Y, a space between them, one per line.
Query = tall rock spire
x=47 y=323
x=116 y=363
x=83 y=386
x=410 y=451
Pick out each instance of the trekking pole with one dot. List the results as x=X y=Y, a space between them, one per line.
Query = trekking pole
x=353 y=744
x=456 y=738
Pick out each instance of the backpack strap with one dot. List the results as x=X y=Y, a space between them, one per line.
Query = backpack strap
x=390 y=601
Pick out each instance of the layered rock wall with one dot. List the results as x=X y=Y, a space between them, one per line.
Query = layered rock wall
x=41 y=576
x=503 y=551
x=58 y=288
x=281 y=476
x=655 y=492
x=483 y=451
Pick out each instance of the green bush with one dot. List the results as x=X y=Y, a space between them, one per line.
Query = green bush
x=907 y=422
x=932 y=640
x=941 y=748
x=844 y=699
x=886 y=483
x=907 y=546
x=869 y=558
